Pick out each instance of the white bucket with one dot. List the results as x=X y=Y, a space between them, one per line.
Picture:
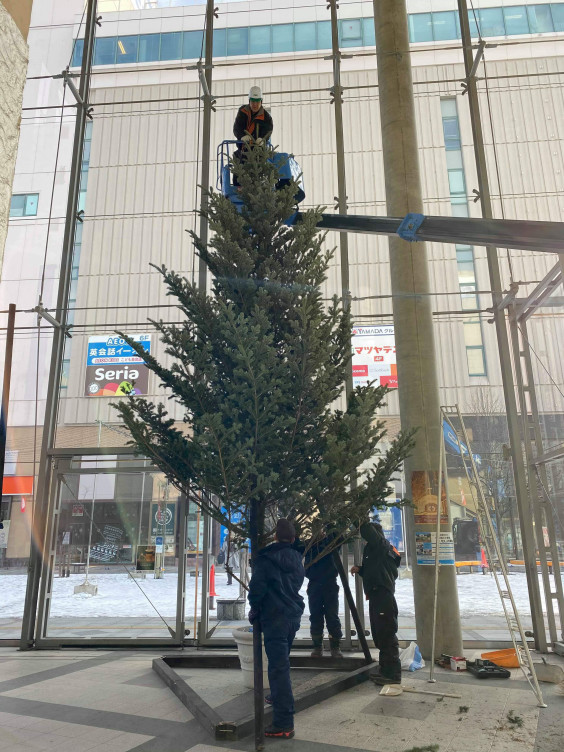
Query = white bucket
x=243 y=636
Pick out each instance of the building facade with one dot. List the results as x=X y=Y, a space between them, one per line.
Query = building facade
x=140 y=184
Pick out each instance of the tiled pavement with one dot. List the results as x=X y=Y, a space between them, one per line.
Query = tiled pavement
x=103 y=701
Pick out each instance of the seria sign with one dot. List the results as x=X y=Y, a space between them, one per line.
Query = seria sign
x=114 y=369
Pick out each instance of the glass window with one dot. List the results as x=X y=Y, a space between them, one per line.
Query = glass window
x=459 y=210
x=127 y=49
x=473 y=25
x=171 y=46
x=238 y=41
x=105 y=51
x=192 y=45
x=283 y=38
x=456 y=182
x=444 y=25
x=448 y=107
x=304 y=35
x=149 y=45
x=454 y=159
x=466 y=273
x=473 y=333
x=558 y=16
x=259 y=40
x=219 y=43
x=516 y=20
x=24 y=205
x=324 y=35
x=540 y=19
x=464 y=253
x=468 y=299
x=476 y=361
x=77 y=54
x=420 y=27
x=351 y=32
x=369 y=33
x=65 y=374
x=451 y=133
x=491 y=22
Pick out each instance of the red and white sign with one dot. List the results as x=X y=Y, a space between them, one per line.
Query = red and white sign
x=374 y=356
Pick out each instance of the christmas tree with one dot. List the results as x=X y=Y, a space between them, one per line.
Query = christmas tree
x=258 y=368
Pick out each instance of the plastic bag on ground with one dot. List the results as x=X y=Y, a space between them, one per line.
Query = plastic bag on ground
x=411 y=658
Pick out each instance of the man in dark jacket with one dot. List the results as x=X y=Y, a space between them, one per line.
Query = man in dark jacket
x=323 y=596
x=379 y=572
x=253 y=125
x=274 y=596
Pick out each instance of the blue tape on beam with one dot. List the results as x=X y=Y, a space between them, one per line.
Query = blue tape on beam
x=409 y=226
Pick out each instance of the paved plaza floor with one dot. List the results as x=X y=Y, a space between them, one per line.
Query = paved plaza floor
x=112 y=701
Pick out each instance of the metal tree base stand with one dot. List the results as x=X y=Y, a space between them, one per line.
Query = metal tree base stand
x=355 y=671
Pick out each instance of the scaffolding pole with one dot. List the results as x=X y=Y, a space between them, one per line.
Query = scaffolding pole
x=59 y=337
x=519 y=470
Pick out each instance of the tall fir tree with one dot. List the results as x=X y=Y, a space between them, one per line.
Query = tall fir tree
x=258 y=368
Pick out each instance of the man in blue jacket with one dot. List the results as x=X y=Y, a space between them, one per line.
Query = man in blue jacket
x=274 y=597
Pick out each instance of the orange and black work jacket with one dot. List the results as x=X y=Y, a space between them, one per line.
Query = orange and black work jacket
x=258 y=124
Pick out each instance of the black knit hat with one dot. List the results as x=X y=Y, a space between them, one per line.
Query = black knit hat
x=285 y=531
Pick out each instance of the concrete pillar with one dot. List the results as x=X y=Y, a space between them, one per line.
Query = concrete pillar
x=412 y=307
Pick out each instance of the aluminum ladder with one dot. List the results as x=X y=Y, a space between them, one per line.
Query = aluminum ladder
x=493 y=553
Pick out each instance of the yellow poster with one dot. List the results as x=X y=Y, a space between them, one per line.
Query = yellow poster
x=424 y=493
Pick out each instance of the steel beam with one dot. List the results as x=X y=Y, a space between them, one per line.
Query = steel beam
x=545 y=237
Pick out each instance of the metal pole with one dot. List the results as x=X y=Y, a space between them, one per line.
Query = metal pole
x=6 y=388
x=412 y=307
x=341 y=206
x=206 y=137
x=343 y=574
x=442 y=467
x=256 y=528
x=59 y=332
x=519 y=472
x=181 y=583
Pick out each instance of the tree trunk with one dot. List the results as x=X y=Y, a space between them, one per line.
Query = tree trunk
x=352 y=605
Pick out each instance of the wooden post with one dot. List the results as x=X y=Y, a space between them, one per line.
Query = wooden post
x=352 y=605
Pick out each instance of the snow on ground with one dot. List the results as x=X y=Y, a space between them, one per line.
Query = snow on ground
x=120 y=596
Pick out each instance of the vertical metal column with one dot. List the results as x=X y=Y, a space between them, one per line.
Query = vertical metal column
x=538 y=485
x=341 y=206
x=59 y=333
x=519 y=472
x=206 y=139
x=181 y=583
x=413 y=320
x=6 y=388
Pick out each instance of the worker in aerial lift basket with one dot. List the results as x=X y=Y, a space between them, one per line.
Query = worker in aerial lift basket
x=253 y=125
x=379 y=572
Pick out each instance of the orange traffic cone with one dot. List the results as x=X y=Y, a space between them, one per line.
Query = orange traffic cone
x=484 y=562
x=212 y=592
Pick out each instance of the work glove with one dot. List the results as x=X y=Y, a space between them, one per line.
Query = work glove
x=247 y=139
x=253 y=615
x=259 y=142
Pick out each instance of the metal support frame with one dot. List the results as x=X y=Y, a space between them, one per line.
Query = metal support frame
x=61 y=464
x=356 y=671
x=6 y=389
x=57 y=353
x=519 y=469
x=207 y=98
x=541 y=293
x=538 y=477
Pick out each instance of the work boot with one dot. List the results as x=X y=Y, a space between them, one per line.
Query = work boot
x=334 y=644
x=381 y=679
x=317 y=651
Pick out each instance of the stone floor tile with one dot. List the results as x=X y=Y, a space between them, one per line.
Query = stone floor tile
x=121 y=743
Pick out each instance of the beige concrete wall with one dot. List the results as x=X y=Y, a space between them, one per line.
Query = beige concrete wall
x=13 y=67
x=20 y=10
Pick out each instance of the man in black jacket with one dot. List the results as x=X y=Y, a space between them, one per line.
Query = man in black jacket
x=274 y=597
x=379 y=572
x=253 y=125
x=323 y=596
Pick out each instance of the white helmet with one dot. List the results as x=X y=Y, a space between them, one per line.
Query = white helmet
x=255 y=93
